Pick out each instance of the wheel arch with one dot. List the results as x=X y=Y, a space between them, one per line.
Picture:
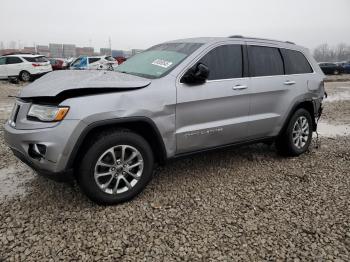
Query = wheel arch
x=307 y=105
x=143 y=126
x=23 y=70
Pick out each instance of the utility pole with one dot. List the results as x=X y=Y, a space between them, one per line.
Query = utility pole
x=110 y=46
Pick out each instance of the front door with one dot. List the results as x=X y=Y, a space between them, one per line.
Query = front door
x=13 y=65
x=214 y=113
x=3 y=70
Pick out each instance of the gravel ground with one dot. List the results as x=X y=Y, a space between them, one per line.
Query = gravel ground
x=245 y=203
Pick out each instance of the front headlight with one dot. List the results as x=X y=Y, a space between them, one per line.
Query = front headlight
x=48 y=113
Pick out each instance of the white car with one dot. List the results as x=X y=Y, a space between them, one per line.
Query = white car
x=94 y=63
x=24 y=66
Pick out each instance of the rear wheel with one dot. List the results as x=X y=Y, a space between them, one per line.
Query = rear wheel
x=25 y=76
x=296 y=139
x=116 y=167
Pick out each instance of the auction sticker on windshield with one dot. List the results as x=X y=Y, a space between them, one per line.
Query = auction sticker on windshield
x=162 y=63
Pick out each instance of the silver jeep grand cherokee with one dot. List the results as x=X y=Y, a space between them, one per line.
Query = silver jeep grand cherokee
x=173 y=99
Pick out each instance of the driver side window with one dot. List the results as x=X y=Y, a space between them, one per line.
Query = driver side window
x=224 y=62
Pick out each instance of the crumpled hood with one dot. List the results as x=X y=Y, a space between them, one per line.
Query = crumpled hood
x=53 y=84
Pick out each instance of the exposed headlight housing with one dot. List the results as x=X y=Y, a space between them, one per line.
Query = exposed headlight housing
x=48 y=113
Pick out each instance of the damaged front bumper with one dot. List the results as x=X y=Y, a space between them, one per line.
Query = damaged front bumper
x=46 y=150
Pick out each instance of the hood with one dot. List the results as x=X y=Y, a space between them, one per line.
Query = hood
x=82 y=82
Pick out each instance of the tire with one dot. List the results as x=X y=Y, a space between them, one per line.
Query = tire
x=110 y=68
x=295 y=141
x=99 y=160
x=25 y=76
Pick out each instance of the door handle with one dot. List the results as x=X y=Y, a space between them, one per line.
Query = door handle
x=289 y=83
x=239 y=87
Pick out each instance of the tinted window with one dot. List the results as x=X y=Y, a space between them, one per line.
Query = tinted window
x=37 y=59
x=224 y=62
x=2 y=60
x=265 y=61
x=109 y=58
x=183 y=48
x=13 y=60
x=93 y=60
x=295 y=62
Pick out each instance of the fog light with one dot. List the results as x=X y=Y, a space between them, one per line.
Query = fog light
x=37 y=151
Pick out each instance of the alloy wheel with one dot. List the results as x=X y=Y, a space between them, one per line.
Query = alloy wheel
x=118 y=169
x=301 y=132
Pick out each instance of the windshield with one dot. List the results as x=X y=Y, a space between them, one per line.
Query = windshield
x=159 y=60
x=109 y=58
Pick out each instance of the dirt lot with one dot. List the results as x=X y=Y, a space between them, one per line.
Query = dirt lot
x=238 y=204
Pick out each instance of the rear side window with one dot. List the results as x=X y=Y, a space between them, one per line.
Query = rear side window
x=13 y=60
x=224 y=62
x=109 y=58
x=295 y=62
x=93 y=60
x=2 y=60
x=265 y=61
x=37 y=59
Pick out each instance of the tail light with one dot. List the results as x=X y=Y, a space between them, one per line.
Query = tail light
x=35 y=65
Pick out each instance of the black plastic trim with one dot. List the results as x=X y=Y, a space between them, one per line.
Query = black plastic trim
x=246 y=72
x=63 y=176
x=236 y=144
x=291 y=112
x=108 y=122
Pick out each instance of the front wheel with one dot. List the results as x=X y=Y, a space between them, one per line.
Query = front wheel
x=116 y=167
x=297 y=137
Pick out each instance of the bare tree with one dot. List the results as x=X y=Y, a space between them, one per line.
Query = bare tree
x=2 y=47
x=341 y=52
x=325 y=53
x=322 y=52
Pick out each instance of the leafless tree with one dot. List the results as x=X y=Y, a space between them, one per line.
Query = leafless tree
x=325 y=53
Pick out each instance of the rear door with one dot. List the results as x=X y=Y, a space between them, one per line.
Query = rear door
x=13 y=65
x=3 y=70
x=214 y=113
x=270 y=90
x=94 y=63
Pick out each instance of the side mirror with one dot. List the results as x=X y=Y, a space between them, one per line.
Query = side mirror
x=196 y=75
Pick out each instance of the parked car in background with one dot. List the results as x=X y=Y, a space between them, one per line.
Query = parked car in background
x=345 y=67
x=174 y=99
x=331 y=68
x=120 y=59
x=24 y=66
x=94 y=63
x=58 y=63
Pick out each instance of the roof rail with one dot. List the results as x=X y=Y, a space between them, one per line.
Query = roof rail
x=256 y=38
x=19 y=53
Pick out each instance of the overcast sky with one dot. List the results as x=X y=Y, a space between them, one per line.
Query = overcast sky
x=140 y=24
